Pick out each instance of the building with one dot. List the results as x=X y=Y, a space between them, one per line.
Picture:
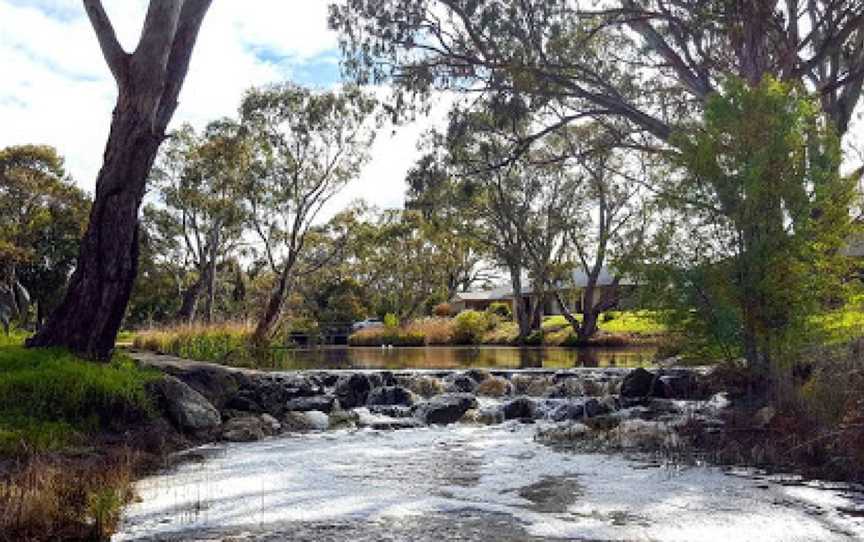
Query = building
x=573 y=292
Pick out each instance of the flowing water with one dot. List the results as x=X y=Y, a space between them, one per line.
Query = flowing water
x=461 y=357
x=464 y=482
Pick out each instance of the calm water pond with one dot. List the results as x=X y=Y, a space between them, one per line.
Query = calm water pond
x=461 y=357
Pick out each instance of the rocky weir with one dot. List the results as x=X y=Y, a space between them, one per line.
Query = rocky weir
x=463 y=455
x=608 y=406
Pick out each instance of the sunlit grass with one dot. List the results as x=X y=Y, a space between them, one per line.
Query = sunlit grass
x=203 y=342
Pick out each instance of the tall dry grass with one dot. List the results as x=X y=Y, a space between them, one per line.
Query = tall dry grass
x=64 y=499
x=206 y=342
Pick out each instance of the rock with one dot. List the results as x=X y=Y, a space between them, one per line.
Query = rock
x=492 y=415
x=318 y=421
x=393 y=411
x=648 y=435
x=637 y=383
x=445 y=409
x=578 y=410
x=185 y=407
x=343 y=419
x=520 y=408
x=675 y=386
x=538 y=387
x=425 y=386
x=353 y=390
x=459 y=383
x=217 y=384
x=478 y=375
x=472 y=415
x=324 y=403
x=243 y=429
x=495 y=386
x=605 y=422
x=245 y=401
x=569 y=387
x=396 y=423
x=296 y=421
x=564 y=433
x=390 y=395
x=271 y=424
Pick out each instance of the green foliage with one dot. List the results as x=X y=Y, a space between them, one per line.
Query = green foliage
x=42 y=218
x=391 y=320
x=470 y=326
x=49 y=398
x=503 y=310
x=766 y=215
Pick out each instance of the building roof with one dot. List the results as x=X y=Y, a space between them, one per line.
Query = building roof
x=501 y=292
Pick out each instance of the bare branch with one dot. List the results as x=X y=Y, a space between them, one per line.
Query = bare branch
x=116 y=58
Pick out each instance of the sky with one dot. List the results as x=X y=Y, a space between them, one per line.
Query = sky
x=57 y=90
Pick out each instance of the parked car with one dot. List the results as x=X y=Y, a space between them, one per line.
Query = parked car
x=367 y=323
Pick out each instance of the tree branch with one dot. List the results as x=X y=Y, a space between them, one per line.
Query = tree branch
x=116 y=58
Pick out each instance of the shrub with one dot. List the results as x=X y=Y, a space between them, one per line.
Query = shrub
x=503 y=310
x=443 y=310
x=470 y=326
x=436 y=331
x=390 y=320
x=535 y=338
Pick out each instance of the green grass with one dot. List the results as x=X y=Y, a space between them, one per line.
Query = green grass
x=843 y=324
x=50 y=399
x=643 y=322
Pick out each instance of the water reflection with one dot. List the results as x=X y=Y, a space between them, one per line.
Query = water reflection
x=461 y=357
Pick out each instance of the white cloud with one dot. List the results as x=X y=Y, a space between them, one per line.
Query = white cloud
x=57 y=90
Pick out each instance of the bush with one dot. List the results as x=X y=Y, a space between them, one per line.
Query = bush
x=503 y=310
x=535 y=338
x=470 y=326
x=443 y=310
x=437 y=331
x=390 y=320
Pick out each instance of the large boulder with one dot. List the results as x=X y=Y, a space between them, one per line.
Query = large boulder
x=390 y=395
x=217 y=384
x=445 y=409
x=519 y=408
x=244 y=429
x=187 y=409
x=578 y=410
x=352 y=391
x=312 y=420
x=637 y=383
x=679 y=385
x=324 y=403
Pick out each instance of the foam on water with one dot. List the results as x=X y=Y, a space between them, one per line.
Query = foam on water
x=368 y=476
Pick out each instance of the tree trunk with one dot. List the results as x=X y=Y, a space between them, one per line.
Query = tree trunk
x=520 y=314
x=90 y=315
x=270 y=317
x=189 y=306
x=149 y=82
x=211 y=278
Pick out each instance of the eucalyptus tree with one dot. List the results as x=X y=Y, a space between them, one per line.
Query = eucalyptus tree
x=149 y=81
x=651 y=62
x=310 y=145
x=200 y=182
x=42 y=218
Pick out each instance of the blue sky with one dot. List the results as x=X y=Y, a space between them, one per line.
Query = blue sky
x=57 y=90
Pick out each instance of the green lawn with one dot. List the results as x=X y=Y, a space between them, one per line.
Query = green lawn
x=50 y=399
x=643 y=322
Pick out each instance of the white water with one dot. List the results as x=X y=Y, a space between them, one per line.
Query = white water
x=428 y=477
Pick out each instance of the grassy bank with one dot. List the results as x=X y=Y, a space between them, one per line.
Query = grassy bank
x=57 y=478
x=223 y=343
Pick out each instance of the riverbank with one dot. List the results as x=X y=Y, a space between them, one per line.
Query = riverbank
x=677 y=414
